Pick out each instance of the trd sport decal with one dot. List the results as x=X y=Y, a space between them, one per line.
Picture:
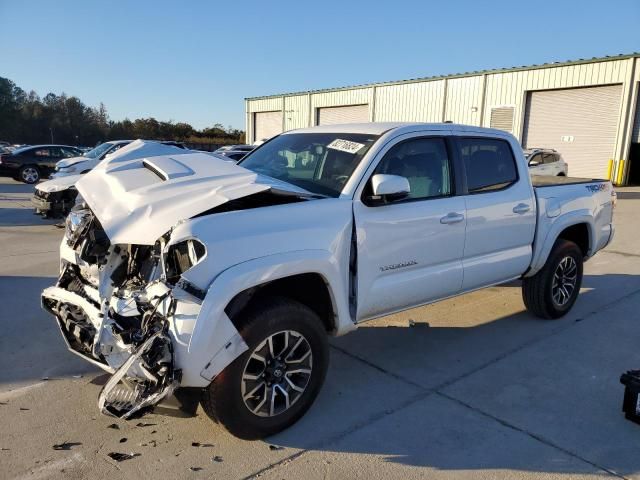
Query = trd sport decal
x=600 y=187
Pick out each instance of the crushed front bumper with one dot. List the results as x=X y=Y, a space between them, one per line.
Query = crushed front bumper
x=116 y=310
x=54 y=204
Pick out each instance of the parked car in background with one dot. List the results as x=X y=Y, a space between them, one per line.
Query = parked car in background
x=86 y=161
x=221 y=282
x=546 y=161
x=54 y=198
x=234 y=152
x=30 y=164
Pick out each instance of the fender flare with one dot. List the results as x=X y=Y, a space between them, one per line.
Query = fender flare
x=557 y=227
x=215 y=342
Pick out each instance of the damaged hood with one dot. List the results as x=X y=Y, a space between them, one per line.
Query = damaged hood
x=138 y=200
x=58 y=184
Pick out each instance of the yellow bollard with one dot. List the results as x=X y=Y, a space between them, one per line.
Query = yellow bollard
x=610 y=169
x=620 y=173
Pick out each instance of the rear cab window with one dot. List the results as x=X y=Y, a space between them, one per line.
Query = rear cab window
x=489 y=164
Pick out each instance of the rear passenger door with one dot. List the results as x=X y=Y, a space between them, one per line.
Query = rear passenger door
x=550 y=162
x=501 y=213
x=410 y=250
x=46 y=158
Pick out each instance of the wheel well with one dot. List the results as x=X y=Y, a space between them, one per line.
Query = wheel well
x=310 y=289
x=561 y=174
x=578 y=234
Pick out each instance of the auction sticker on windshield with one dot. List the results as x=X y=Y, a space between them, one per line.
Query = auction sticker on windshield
x=345 y=145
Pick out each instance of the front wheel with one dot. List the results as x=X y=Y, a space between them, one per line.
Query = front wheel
x=552 y=291
x=270 y=386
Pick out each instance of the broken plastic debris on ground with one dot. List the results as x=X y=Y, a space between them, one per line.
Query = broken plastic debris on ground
x=121 y=457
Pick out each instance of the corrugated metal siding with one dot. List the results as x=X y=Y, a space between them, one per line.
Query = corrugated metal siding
x=296 y=112
x=509 y=88
x=356 y=96
x=412 y=102
x=464 y=100
x=423 y=100
x=580 y=123
x=337 y=115
x=265 y=105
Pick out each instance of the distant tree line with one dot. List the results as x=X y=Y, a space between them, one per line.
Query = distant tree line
x=28 y=118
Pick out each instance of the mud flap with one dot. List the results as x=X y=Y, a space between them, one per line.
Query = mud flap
x=152 y=379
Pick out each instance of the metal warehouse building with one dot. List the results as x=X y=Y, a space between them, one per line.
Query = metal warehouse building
x=588 y=110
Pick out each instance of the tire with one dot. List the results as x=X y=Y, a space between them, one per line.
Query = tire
x=541 y=295
x=274 y=318
x=29 y=174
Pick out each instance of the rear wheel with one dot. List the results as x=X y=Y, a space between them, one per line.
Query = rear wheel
x=273 y=384
x=29 y=174
x=552 y=291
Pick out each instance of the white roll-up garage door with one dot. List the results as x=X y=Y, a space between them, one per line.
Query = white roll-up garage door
x=266 y=125
x=348 y=114
x=580 y=123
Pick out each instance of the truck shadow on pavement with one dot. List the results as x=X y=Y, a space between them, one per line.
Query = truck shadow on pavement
x=387 y=391
x=408 y=393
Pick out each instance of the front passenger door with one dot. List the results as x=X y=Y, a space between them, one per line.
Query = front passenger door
x=409 y=252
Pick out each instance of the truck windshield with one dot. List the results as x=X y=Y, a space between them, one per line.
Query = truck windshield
x=320 y=163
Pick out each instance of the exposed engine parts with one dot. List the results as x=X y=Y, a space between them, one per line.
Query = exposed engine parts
x=112 y=309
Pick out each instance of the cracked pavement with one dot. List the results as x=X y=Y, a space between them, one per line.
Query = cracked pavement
x=472 y=387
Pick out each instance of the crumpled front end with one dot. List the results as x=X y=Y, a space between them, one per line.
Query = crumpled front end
x=116 y=308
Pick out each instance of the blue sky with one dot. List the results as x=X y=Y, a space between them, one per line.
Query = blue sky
x=196 y=61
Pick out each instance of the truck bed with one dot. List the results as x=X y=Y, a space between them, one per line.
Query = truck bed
x=539 y=181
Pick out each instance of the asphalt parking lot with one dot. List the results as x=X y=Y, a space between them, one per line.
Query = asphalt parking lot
x=473 y=387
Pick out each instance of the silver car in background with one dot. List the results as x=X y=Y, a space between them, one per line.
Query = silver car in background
x=546 y=161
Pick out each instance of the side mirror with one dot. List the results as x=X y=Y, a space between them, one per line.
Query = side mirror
x=534 y=163
x=388 y=188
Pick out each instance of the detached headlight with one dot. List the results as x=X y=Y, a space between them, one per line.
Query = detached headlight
x=75 y=223
x=181 y=257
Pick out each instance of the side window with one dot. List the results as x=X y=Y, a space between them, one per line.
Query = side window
x=42 y=152
x=424 y=162
x=56 y=152
x=535 y=160
x=549 y=158
x=67 y=152
x=489 y=164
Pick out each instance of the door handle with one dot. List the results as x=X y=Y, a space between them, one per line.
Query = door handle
x=451 y=218
x=521 y=208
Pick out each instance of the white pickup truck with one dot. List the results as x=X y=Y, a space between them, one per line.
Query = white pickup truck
x=193 y=279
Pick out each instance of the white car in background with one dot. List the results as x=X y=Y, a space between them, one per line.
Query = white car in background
x=85 y=163
x=55 y=197
x=546 y=161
